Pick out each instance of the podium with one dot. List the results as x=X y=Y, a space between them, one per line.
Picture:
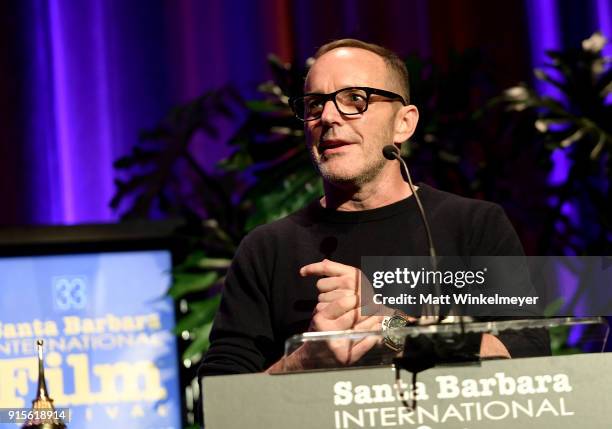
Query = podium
x=545 y=392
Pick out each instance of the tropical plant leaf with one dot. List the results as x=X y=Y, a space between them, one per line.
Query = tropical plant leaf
x=185 y=283
x=200 y=343
x=201 y=313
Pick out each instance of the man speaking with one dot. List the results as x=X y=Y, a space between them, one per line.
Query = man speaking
x=301 y=273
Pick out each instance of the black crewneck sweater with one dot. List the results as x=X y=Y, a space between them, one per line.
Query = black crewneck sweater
x=265 y=301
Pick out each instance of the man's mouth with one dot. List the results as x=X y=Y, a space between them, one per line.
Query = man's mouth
x=332 y=146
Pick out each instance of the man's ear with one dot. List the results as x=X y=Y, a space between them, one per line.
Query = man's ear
x=406 y=121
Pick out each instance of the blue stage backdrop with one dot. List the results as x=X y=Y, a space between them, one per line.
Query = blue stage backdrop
x=111 y=357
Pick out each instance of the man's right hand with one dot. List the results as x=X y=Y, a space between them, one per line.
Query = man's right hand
x=338 y=309
x=339 y=306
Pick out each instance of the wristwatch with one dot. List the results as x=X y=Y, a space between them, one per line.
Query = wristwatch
x=398 y=320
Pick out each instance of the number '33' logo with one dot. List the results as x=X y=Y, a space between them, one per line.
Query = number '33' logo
x=70 y=292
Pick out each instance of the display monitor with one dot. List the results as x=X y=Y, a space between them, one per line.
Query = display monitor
x=100 y=305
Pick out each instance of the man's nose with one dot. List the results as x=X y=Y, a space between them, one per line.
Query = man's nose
x=330 y=113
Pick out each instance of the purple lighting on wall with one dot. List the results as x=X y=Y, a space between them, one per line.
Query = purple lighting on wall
x=604 y=23
x=105 y=117
x=94 y=86
x=545 y=35
x=61 y=113
x=82 y=111
x=544 y=30
x=44 y=190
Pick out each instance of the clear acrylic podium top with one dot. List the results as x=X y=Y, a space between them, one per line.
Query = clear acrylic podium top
x=355 y=349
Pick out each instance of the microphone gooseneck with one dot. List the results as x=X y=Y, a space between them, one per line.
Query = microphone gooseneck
x=422 y=352
x=432 y=313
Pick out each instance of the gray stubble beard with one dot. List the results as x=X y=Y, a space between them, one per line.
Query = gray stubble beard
x=372 y=171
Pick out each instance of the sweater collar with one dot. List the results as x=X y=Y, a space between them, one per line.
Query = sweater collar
x=400 y=207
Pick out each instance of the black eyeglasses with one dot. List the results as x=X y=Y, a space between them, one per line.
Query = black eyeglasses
x=348 y=101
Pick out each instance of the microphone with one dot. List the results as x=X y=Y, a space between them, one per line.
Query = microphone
x=423 y=352
x=391 y=152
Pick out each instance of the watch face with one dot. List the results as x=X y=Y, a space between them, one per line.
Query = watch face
x=395 y=342
x=397 y=322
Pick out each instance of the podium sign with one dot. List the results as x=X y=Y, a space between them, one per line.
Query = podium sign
x=545 y=392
